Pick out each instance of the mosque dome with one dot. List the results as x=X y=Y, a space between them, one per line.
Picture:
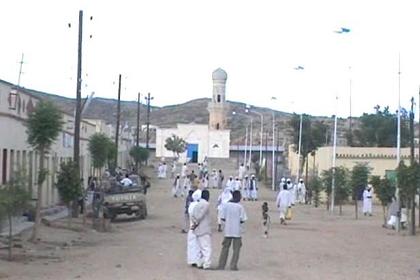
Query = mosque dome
x=219 y=74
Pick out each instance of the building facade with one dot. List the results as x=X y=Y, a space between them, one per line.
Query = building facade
x=16 y=154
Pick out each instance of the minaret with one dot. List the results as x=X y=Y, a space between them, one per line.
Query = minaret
x=217 y=106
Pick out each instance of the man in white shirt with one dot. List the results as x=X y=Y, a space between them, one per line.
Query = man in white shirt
x=126 y=182
x=233 y=214
x=283 y=202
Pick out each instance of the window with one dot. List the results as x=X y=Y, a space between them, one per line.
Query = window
x=218 y=98
x=4 y=167
x=217 y=126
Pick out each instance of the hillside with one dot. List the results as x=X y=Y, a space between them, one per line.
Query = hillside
x=194 y=111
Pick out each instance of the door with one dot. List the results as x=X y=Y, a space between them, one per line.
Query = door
x=192 y=152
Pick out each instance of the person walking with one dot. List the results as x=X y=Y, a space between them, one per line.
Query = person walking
x=367 y=201
x=283 y=203
x=233 y=214
x=202 y=229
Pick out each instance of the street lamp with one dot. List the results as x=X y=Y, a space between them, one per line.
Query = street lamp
x=273 y=171
x=248 y=109
x=333 y=160
x=397 y=194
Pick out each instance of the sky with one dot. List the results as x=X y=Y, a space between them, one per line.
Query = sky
x=170 y=48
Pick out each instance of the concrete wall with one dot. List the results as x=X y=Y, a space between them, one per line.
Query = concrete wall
x=211 y=143
x=379 y=159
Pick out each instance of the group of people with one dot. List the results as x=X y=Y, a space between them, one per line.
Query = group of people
x=231 y=213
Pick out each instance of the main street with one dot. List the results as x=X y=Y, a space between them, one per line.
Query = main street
x=314 y=245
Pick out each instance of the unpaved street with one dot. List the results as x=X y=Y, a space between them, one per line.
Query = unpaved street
x=315 y=245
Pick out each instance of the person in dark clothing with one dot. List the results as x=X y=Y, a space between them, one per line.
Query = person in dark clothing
x=188 y=200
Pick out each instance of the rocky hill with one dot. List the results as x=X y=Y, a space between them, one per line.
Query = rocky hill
x=194 y=111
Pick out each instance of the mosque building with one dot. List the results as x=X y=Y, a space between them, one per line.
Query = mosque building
x=210 y=140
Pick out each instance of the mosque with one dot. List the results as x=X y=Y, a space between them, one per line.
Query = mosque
x=204 y=140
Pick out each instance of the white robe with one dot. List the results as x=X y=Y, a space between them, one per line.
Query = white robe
x=283 y=202
x=367 y=201
x=245 y=188
x=164 y=170
x=184 y=171
x=213 y=180
x=301 y=190
x=241 y=172
x=253 y=189
x=193 y=247
x=176 y=187
x=292 y=189
x=224 y=198
x=236 y=185
x=160 y=171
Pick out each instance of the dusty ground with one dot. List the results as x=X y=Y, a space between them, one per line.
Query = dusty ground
x=315 y=245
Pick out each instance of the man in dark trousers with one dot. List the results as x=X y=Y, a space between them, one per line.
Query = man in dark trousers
x=233 y=214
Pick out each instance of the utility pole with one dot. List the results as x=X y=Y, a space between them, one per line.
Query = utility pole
x=138 y=120
x=20 y=70
x=118 y=120
x=148 y=98
x=77 y=115
x=77 y=118
x=412 y=197
x=419 y=151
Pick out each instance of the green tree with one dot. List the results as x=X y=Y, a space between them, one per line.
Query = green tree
x=384 y=192
x=102 y=151
x=175 y=144
x=139 y=155
x=14 y=199
x=313 y=135
x=359 y=179
x=316 y=187
x=68 y=185
x=408 y=179
x=43 y=127
x=378 y=129
x=342 y=190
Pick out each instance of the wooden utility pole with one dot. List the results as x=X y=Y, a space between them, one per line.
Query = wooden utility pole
x=117 y=130
x=76 y=146
x=412 y=197
x=148 y=98
x=20 y=70
x=419 y=153
x=138 y=120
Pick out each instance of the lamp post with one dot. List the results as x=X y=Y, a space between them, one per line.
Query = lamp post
x=273 y=171
x=333 y=160
x=397 y=193
x=299 y=148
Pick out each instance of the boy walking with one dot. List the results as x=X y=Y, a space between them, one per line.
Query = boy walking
x=233 y=214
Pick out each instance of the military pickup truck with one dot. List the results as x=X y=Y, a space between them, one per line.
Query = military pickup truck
x=126 y=200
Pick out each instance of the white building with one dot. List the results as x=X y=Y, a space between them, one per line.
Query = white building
x=16 y=154
x=212 y=140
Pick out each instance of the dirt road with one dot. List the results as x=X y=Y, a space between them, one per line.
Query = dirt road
x=315 y=245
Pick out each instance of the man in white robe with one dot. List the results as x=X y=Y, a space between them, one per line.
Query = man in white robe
x=236 y=185
x=184 y=170
x=160 y=171
x=301 y=190
x=193 y=247
x=229 y=183
x=202 y=229
x=176 y=187
x=245 y=188
x=164 y=170
x=173 y=170
x=213 y=179
x=253 y=189
x=283 y=202
x=367 y=200
x=223 y=198
x=292 y=189
x=241 y=172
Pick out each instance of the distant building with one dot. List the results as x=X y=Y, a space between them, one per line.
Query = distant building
x=212 y=140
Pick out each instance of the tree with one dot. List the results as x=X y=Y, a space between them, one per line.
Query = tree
x=14 y=198
x=175 y=144
x=139 y=155
x=378 y=129
x=358 y=182
x=313 y=135
x=384 y=192
x=102 y=150
x=342 y=190
x=68 y=185
x=408 y=179
x=316 y=187
x=43 y=127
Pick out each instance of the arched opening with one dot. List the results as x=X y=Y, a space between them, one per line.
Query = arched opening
x=218 y=98
x=217 y=126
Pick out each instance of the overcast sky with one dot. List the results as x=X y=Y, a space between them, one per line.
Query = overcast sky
x=170 y=48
